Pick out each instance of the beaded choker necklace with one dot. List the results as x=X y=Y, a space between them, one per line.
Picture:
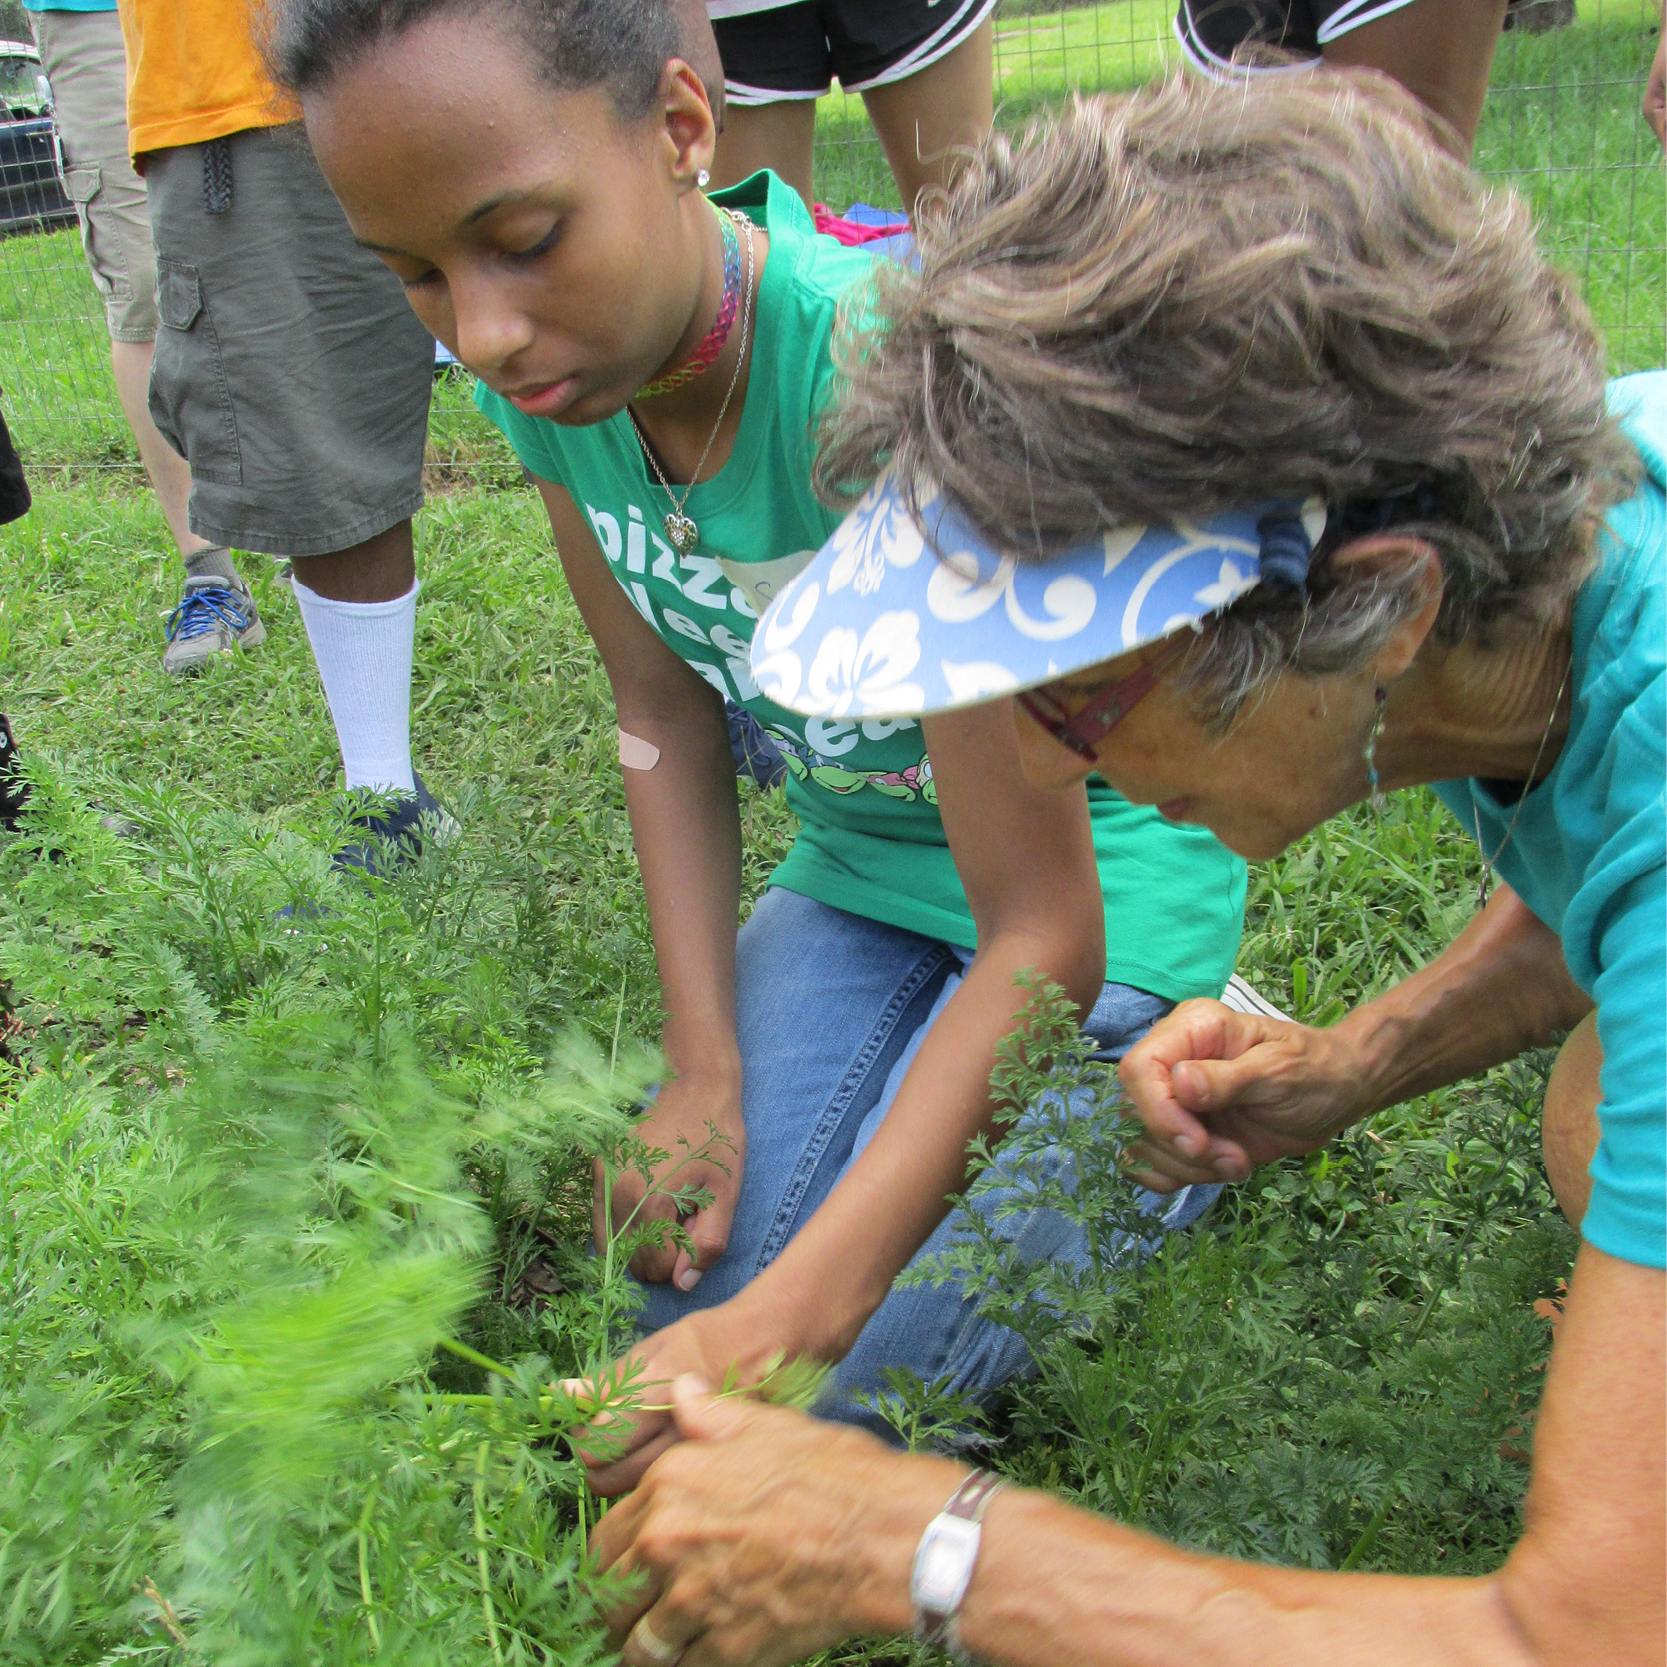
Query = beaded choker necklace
x=704 y=355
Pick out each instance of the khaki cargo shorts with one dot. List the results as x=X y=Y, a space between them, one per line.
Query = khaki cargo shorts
x=289 y=370
x=83 y=57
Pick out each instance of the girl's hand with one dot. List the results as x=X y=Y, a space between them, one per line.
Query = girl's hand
x=1221 y=1092
x=765 y=1536
x=688 y=1117
x=709 y=1345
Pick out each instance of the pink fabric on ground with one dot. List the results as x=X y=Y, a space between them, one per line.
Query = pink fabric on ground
x=847 y=231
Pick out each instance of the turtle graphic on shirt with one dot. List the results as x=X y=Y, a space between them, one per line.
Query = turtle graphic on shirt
x=806 y=764
x=913 y=783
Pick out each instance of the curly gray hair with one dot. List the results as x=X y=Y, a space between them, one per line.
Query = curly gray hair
x=1205 y=295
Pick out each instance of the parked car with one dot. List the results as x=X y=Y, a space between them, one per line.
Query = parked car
x=31 y=187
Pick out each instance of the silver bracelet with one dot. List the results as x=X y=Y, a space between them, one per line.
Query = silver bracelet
x=944 y=1561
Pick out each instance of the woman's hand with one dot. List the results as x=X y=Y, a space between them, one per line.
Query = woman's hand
x=765 y=1536
x=698 y=1125
x=1221 y=1092
x=710 y=1345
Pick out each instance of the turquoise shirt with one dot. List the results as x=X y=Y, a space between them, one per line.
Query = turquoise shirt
x=69 y=5
x=1588 y=852
x=871 y=839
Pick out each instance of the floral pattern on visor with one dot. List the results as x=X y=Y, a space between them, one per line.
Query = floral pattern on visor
x=897 y=618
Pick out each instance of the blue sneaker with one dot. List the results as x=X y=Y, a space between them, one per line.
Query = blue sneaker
x=395 y=833
x=214 y=616
x=756 y=754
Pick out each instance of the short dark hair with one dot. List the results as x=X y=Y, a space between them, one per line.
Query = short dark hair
x=622 y=45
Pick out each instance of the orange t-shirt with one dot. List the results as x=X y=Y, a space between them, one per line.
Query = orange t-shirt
x=194 y=73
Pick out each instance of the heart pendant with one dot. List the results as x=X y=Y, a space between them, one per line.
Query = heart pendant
x=682 y=532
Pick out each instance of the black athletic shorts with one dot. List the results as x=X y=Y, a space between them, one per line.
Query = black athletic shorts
x=795 y=51
x=1211 y=30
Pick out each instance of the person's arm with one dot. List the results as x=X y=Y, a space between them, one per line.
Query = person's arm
x=688 y=837
x=1655 y=88
x=1440 y=50
x=766 y=1536
x=1221 y=1092
x=1041 y=911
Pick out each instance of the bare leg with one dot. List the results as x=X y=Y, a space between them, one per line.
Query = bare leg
x=923 y=120
x=1439 y=50
x=170 y=474
x=379 y=570
x=779 y=136
x=1570 y=1132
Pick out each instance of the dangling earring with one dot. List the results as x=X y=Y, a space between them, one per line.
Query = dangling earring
x=1369 y=752
x=703 y=179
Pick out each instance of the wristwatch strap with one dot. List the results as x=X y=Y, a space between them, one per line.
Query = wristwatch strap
x=966 y=1505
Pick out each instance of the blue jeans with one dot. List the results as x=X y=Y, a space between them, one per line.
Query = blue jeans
x=830 y=1011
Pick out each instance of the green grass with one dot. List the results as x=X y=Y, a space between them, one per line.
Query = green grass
x=1563 y=126
x=60 y=399
x=1340 y=1367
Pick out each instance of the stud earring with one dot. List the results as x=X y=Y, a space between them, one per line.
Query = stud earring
x=1369 y=752
x=703 y=179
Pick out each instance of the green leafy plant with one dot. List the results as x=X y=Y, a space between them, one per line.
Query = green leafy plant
x=288 y=1151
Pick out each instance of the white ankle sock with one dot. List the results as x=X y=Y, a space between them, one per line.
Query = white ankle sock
x=363 y=650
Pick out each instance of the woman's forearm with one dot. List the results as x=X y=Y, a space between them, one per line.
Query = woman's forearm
x=688 y=837
x=682 y=808
x=816 y=1296
x=1055 y=1584
x=1220 y=1092
x=1501 y=986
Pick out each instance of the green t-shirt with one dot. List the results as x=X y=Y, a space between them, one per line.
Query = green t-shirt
x=1587 y=849
x=871 y=840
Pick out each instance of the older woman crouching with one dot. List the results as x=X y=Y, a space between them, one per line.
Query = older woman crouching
x=1245 y=438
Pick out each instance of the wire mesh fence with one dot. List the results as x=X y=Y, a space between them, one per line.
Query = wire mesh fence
x=1561 y=124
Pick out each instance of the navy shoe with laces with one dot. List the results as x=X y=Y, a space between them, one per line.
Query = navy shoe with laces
x=395 y=833
x=391 y=835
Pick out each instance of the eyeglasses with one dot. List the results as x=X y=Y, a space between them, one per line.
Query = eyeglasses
x=1084 y=730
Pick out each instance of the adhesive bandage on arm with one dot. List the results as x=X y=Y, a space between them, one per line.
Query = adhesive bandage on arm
x=635 y=753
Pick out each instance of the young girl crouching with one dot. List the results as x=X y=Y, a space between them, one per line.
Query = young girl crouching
x=659 y=359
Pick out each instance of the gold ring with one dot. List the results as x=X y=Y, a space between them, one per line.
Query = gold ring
x=653 y=1645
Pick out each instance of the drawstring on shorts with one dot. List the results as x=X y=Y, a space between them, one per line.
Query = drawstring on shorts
x=217 y=176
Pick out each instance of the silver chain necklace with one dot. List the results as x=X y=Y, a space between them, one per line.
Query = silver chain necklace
x=681 y=530
x=1485 y=884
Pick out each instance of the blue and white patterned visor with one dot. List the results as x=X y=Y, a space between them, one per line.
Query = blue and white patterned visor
x=898 y=618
